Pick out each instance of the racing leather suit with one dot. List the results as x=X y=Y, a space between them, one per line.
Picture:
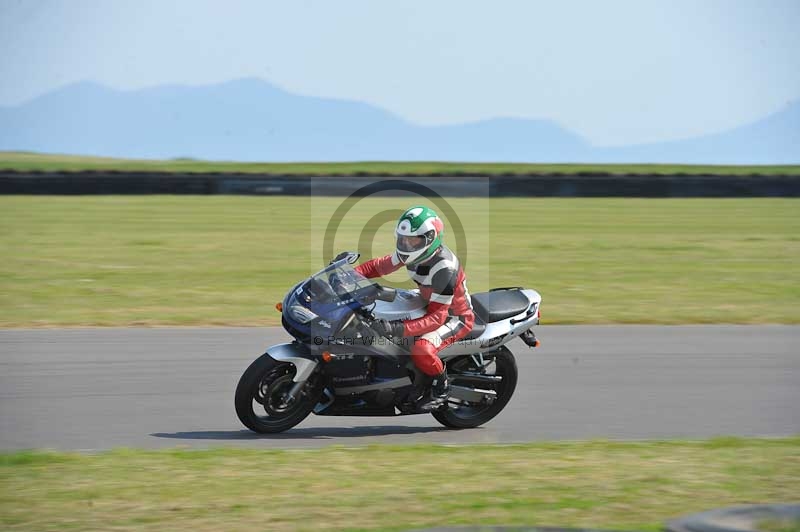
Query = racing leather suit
x=448 y=317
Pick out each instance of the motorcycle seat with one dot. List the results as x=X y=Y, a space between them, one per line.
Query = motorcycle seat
x=499 y=304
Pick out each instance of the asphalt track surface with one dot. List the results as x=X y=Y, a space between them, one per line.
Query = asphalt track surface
x=84 y=389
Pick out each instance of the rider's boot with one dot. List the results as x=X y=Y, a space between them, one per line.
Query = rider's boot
x=437 y=396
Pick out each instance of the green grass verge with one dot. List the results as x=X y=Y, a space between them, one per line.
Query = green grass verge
x=778 y=525
x=23 y=161
x=223 y=260
x=624 y=486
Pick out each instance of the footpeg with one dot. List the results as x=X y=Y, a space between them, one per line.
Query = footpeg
x=530 y=339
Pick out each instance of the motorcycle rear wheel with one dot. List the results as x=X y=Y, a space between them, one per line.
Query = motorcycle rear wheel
x=260 y=397
x=468 y=415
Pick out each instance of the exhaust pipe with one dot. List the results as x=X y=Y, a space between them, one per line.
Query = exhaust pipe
x=530 y=339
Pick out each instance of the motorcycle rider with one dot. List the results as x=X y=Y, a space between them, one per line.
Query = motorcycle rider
x=442 y=284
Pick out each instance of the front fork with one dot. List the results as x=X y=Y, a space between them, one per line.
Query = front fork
x=304 y=370
x=291 y=395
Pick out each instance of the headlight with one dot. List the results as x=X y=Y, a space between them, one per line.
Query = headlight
x=301 y=314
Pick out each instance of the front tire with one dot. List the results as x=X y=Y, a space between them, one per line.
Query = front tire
x=468 y=415
x=260 y=397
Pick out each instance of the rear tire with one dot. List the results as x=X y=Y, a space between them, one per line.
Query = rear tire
x=505 y=365
x=259 y=397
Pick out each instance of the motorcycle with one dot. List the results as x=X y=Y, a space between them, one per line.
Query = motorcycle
x=339 y=365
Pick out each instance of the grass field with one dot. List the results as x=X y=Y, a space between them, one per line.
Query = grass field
x=22 y=161
x=620 y=486
x=168 y=260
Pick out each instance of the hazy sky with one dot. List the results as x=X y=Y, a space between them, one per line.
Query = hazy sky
x=616 y=72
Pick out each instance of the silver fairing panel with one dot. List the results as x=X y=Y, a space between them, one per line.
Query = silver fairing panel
x=408 y=305
x=503 y=329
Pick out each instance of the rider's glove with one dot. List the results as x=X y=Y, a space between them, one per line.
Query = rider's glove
x=392 y=328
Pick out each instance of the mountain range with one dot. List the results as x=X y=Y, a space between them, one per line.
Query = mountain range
x=252 y=120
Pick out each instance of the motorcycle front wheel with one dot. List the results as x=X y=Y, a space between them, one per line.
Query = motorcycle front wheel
x=465 y=415
x=262 y=403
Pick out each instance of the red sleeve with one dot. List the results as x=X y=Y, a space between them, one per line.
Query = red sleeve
x=380 y=266
x=434 y=318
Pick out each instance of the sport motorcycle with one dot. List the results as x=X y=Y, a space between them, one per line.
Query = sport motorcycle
x=339 y=365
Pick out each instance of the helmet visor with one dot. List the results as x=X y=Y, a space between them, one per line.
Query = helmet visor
x=411 y=243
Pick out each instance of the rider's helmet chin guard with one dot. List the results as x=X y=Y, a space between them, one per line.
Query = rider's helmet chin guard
x=419 y=234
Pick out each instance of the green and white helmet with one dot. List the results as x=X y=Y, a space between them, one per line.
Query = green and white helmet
x=419 y=234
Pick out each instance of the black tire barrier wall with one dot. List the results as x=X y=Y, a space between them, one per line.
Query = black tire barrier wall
x=550 y=185
x=739 y=519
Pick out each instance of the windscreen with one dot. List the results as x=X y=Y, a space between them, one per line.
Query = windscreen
x=340 y=282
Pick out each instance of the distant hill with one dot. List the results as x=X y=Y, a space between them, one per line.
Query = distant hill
x=771 y=140
x=251 y=120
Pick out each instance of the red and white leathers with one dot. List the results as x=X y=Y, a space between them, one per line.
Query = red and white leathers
x=448 y=316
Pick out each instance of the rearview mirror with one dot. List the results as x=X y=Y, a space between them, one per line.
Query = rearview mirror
x=386 y=293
